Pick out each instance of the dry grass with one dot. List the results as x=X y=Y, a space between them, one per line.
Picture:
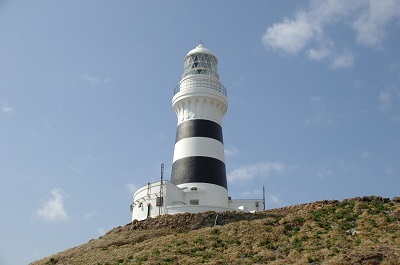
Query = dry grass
x=353 y=231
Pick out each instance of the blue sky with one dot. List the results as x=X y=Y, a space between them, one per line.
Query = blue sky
x=86 y=117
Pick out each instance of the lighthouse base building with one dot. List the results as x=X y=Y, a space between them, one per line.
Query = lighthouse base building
x=166 y=198
x=198 y=179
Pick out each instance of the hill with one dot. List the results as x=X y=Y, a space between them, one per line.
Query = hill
x=362 y=230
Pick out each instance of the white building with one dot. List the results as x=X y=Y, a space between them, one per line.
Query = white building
x=198 y=180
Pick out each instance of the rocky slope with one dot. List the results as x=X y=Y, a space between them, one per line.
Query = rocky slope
x=354 y=231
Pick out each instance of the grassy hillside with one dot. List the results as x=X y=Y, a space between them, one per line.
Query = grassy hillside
x=354 y=231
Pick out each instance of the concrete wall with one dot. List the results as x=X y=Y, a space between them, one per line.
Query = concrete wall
x=184 y=198
x=246 y=205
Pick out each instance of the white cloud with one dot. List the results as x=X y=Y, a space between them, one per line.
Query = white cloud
x=5 y=108
x=319 y=54
x=385 y=100
x=315 y=99
x=389 y=102
x=53 y=209
x=91 y=79
x=76 y=170
x=342 y=60
x=323 y=173
x=358 y=84
x=336 y=60
x=94 y=79
x=231 y=151
x=374 y=17
x=290 y=36
x=308 y=28
x=131 y=187
x=101 y=231
x=322 y=118
x=248 y=172
x=388 y=171
x=90 y=214
x=90 y=158
x=258 y=194
x=253 y=194
x=320 y=115
x=271 y=199
x=366 y=155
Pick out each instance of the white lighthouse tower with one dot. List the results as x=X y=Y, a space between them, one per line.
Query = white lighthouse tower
x=200 y=102
x=198 y=180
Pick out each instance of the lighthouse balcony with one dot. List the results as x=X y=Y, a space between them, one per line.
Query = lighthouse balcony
x=188 y=84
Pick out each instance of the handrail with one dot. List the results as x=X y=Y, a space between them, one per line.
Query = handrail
x=207 y=83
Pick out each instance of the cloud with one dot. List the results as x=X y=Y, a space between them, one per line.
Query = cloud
x=132 y=188
x=319 y=54
x=389 y=102
x=76 y=170
x=90 y=214
x=323 y=173
x=388 y=171
x=316 y=99
x=342 y=60
x=7 y=109
x=319 y=113
x=366 y=155
x=290 y=36
x=91 y=79
x=101 y=231
x=53 y=209
x=248 y=172
x=271 y=199
x=256 y=193
x=385 y=100
x=94 y=79
x=308 y=29
x=374 y=17
x=90 y=158
x=231 y=151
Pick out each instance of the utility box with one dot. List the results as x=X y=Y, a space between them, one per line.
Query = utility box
x=159 y=201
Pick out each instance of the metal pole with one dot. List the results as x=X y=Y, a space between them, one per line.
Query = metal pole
x=264 y=197
x=161 y=189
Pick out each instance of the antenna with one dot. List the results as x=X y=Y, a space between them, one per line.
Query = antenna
x=162 y=171
x=264 y=196
x=160 y=199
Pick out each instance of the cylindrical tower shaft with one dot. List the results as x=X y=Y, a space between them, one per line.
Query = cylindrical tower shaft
x=199 y=102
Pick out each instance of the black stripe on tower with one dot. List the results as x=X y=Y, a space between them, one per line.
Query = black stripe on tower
x=199 y=169
x=199 y=128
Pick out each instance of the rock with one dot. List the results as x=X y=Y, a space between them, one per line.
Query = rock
x=396 y=199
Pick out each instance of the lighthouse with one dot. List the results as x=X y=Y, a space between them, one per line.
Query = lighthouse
x=200 y=101
x=198 y=178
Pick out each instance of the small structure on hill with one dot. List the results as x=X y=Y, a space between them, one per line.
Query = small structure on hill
x=198 y=180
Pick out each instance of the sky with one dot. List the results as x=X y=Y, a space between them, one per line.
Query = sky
x=86 y=117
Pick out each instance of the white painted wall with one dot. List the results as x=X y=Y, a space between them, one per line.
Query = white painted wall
x=177 y=200
x=195 y=102
x=207 y=194
x=199 y=146
x=246 y=205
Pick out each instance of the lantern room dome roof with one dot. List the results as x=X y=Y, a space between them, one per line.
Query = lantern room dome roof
x=201 y=49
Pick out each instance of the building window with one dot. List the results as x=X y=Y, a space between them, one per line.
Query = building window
x=194 y=202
